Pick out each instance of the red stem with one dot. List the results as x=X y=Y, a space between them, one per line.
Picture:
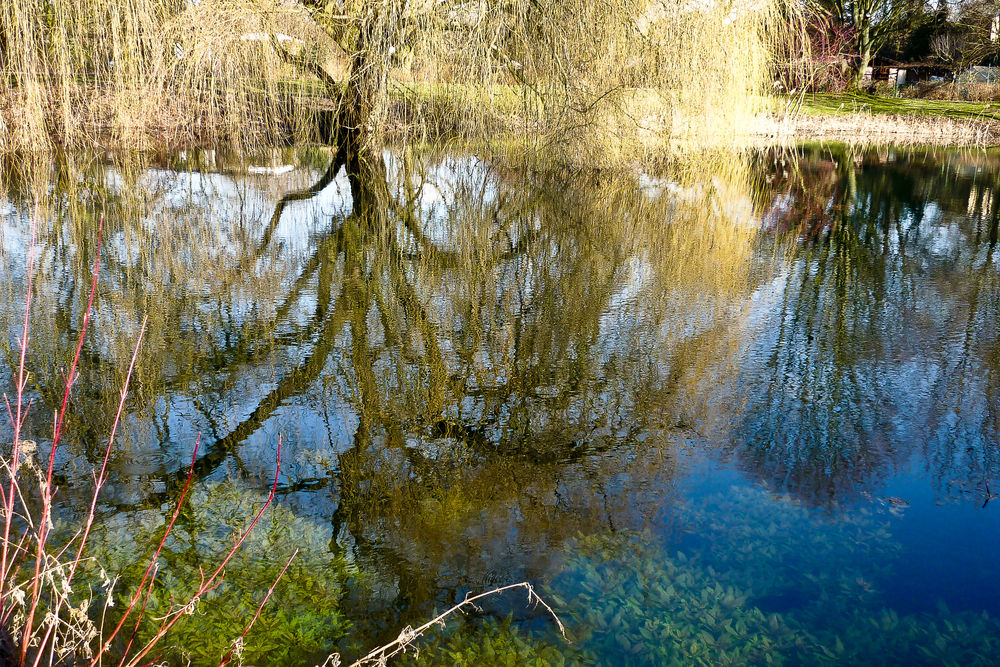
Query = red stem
x=101 y=478
x=226 y=658
x=17 y=418
x=210 y=582
x=46 y=491
x=153 y=558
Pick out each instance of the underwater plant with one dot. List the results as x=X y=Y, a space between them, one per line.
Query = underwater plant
x=302 y=621
x=45 y=613
x=732 y=596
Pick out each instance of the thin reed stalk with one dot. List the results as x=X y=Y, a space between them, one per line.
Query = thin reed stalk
x=37 y=617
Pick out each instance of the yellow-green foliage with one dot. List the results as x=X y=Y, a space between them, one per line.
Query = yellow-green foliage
x=80 y=72
x=646 y=75
x=598 y=79
x=606 y=81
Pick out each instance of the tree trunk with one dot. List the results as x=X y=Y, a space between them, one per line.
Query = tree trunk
x=865 y=55
x=361 y=126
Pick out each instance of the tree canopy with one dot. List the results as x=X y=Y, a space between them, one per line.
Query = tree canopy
x=602 y=76
x=950 y=34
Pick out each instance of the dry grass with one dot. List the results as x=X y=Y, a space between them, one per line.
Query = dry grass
x=966 y=92
x=875 y=129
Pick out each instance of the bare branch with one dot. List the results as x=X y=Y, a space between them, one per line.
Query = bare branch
x=409 y=635
x=305 y=63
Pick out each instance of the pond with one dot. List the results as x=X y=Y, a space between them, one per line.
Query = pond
x=745 y=409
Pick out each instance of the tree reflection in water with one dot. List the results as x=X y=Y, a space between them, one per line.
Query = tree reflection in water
x=471 y=363
x=879 y=342
x=474 y=364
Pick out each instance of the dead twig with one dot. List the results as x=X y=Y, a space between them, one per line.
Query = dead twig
x=382 y=654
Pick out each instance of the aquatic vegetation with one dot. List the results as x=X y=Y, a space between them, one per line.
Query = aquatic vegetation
x=714 y=602
x=494 y=642
x=665 y=610
x=776 y=548
x=633 y=596
x=302 y=621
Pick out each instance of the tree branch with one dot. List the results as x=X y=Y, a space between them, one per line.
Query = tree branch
x=305 y=63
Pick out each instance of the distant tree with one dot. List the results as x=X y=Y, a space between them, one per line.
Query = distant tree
x=912 y=41
x=950 y=47
x=875 y=24
x=973 y=36
x=830 y=48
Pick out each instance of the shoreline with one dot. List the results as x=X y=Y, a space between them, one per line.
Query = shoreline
x=857 y=128
x=877 y=129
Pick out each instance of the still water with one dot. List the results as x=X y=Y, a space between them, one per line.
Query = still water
x=745 y=410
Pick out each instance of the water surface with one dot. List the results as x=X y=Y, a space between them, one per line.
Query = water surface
x=742 y=411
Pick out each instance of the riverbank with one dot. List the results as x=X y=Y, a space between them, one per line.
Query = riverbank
x=856 y=118
x=872 y=129
x=851 y=118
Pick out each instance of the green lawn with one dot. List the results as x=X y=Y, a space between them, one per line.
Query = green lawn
x=853 y=102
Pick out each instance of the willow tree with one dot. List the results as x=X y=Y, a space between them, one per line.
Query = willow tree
x=594 y=74
x=607 y=78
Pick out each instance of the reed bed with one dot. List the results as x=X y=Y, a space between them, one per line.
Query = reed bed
x=875 y=129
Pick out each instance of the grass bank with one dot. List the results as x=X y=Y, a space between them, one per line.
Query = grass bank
x=842 y=104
